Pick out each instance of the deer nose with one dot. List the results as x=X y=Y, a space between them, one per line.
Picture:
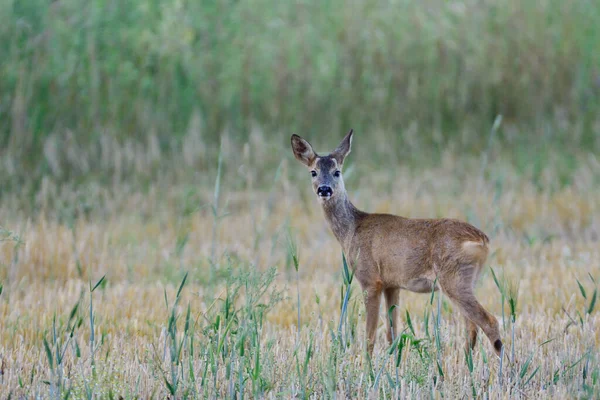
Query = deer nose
x=324 y=191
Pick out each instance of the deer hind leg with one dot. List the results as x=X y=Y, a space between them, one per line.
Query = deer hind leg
x=372 y=301
x=391 y=300
x=471 y=326
x=458 y=286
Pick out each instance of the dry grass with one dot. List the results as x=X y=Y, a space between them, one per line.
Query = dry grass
x=144 y=243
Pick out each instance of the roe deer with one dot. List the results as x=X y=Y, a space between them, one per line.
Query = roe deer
x=389 y=253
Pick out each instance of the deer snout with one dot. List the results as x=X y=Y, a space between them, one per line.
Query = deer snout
x=324 y=191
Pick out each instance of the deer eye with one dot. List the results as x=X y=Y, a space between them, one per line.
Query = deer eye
x=337 y=174
x=313 y=173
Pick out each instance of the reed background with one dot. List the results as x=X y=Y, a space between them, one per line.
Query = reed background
x=143 y=141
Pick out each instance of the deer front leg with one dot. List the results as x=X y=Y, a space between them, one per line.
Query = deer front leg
x=372 y=301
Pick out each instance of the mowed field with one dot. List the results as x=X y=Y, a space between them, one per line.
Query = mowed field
x=214 y=286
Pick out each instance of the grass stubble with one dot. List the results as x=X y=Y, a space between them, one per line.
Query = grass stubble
x=187 y=289
x=155 y=242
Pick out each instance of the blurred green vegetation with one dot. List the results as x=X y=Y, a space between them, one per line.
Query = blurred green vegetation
x=437 y=72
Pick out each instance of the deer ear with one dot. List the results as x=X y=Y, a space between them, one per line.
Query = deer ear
x=303 y=151
x=344 y=148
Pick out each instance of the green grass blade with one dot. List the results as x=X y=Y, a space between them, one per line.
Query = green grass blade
x=496 y=281
x=182 y=284
x=170 y=387
x=581 y=289
x=531 y=376
x=593 y=302
x=48 y=354
x=525 y=366
x=98 y=283
x=409 y=322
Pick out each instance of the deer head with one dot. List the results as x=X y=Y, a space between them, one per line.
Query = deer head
x=326 y=171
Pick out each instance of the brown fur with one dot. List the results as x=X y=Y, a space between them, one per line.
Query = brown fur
x=389 y=253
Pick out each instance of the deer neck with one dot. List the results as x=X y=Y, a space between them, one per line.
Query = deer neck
x=342 y=217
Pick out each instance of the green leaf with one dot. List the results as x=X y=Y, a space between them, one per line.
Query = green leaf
x=401 y=343
x=593 y=301
x=547 y=341
x=409 y=322
x=170 y=387
x=500 y=288
x=309 y=353
x=293 y=250
x=581 y=289
x=241 y=344
x=525 y=366
x=469 y=359
x=439 y=367
x=48 y=353
x=576 y=362
x=98 y=283
x=182 y=283
x=433 y=291
x=345 y=271
x=484 y=355
x=187 y=320
x=73 y=312
x=390 y=311
x=513 y=307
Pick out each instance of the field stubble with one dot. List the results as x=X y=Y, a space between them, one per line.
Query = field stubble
x=231 y=324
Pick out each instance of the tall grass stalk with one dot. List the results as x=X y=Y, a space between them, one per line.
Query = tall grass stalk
x=293 y=255
x=502 y=290
x=60 y=386
x=470 y=367
x=93 y=322
x=175 y=345
x=436 y=328
x=346 y=289
x=589 y=307
x=513 y=293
